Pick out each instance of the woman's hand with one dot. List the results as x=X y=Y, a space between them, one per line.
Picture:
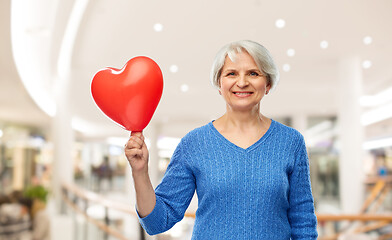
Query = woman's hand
x=137 y=153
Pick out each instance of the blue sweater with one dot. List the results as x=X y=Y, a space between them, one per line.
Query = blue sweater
x=261 y=192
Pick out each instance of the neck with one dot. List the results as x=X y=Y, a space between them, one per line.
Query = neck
x=243 y=119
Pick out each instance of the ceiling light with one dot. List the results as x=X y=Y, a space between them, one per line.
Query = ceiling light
x=116 y=150
x=367 y=40
x=117 y=141
x=184 y=88
x=1 y=133
x=366 y=64
x=324 y=44
x=377 y=115
x=322 y=137
x=168 y=142
x=290 y=52
x=173 y=68
x=379 y=143
x=280 y=23
x=158 y=27
x=377 y=99
x=286 y=67
x=318 y=128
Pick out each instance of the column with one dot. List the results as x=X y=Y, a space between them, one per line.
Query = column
x=62 y=138
x=18 y=171
x=350 y=135
x=152 y=133
x=133 y=231
x=300 y=122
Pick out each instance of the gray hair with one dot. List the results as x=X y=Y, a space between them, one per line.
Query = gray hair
x=258 y=52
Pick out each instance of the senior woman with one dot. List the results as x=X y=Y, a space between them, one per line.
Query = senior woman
x=250 y=173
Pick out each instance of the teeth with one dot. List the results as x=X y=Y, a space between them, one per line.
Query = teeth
x=237 y=93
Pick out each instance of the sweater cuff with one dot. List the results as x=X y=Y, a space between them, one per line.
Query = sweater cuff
x=153 y=223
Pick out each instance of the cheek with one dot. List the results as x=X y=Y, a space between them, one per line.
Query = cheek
x=225 y=88
x=222 y=85
x=226 y=84
x=262 y=86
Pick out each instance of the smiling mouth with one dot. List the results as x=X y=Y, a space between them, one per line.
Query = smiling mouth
x=243 y=93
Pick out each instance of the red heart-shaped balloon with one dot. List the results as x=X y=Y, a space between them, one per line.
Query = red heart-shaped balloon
x=130 y=95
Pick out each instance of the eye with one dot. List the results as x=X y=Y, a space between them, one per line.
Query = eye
x=230 y=74
x=254 y=74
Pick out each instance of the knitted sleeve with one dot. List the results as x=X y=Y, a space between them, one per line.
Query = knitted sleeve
x=173 y=195
x=301 y=215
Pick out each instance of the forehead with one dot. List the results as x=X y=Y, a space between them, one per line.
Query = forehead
x=238 y=60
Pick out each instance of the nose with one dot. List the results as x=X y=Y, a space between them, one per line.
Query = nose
x=242 y=81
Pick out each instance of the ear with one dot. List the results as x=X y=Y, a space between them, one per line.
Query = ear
x=219 y=88
x=267 y=90
x=268 y=87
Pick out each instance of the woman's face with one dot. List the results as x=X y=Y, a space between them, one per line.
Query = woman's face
x=242 y=83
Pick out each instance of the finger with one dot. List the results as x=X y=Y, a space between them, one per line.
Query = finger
x=139 y=138
x=134 y=143
x=144 y=144
x=136 y=134
x=134 y=152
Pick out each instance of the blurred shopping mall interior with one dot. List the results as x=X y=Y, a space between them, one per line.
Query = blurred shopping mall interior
x=58 y=149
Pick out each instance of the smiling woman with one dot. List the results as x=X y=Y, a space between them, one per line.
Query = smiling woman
x=259 y=54
x=242 y=84
x=251 y=173
x=244 y=73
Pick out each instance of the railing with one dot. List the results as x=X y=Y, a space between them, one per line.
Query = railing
x=378 y=221
x=79 y=200
x=73 y=196
x=370 y=217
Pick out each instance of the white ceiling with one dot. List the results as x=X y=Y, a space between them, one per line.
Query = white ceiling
x=111 y=32
x=15 y=103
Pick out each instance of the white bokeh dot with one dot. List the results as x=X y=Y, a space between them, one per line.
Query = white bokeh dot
x=280 y=23
x=173 y=68
x=366 y=64
x=286 y=67
x=290 y=52
x=324 y=44
x=158 y=27
x=367 y=40
x=184 y=88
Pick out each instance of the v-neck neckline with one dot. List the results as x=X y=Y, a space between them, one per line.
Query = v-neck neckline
x=235 y=146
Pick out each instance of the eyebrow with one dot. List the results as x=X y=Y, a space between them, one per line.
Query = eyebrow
x=250 y=70
x=255 y=70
